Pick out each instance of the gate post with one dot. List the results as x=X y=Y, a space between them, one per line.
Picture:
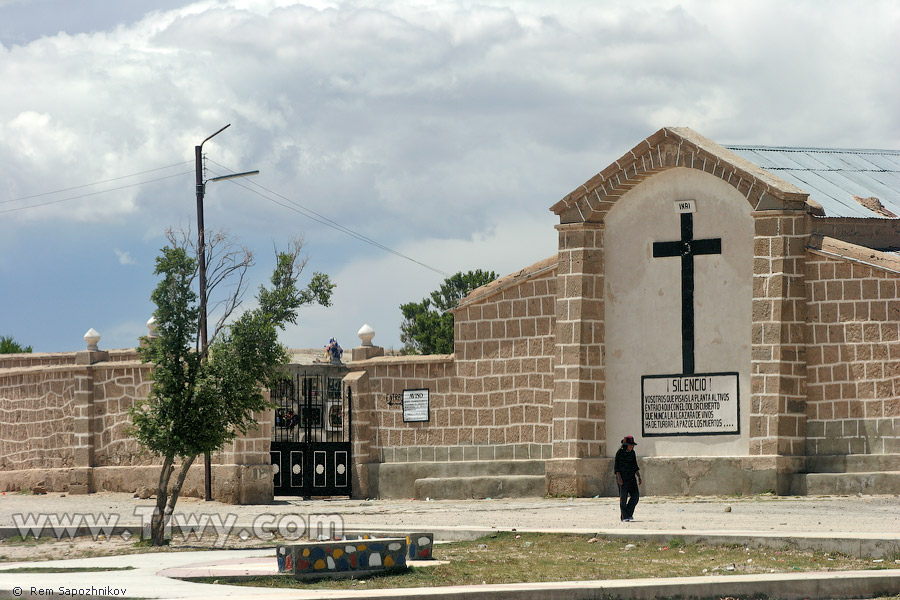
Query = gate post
x=362 y=433
x=248 y=456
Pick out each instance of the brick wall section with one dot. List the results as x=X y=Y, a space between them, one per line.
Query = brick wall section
x=778 y=364
x=58 y=414
x=854 y=355
x=393 y=375
x=37 y=406
x=253 y=447
x=504 y=360
x=490 y=400
x=116 y=387
x=579 y=407
x=872 y=233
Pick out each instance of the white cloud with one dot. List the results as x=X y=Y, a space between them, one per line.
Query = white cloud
x=124 y=257
x=371 y=289
x=430 y=127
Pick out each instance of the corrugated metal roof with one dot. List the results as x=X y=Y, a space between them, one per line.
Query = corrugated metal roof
x=833 y=176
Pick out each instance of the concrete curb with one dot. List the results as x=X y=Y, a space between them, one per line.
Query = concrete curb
x=793 y=586
x=848 y=584
x=852 y=544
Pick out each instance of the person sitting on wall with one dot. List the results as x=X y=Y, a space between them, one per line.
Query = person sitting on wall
x=628 y=476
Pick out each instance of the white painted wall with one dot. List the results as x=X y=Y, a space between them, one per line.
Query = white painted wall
x=643 y=303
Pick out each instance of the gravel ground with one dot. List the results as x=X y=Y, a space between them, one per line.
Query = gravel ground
x=810 y=515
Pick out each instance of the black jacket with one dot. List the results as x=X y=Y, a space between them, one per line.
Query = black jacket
x=626 y=463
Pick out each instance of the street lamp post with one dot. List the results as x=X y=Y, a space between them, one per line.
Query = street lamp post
x=201 y=258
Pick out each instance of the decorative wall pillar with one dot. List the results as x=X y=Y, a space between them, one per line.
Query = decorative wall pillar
x=778 y=370
x=80 y=479
x=579 y=405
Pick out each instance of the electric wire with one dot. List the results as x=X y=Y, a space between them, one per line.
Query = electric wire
x=9 y=210
x=321 y=219
x=292 y=205
x=78 y=187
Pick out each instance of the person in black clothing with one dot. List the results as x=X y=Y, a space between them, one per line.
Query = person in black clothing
x=628 y=476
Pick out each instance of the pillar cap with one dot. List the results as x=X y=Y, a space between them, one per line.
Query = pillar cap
x=152 y=327
x=366 y=333
x=92 y=337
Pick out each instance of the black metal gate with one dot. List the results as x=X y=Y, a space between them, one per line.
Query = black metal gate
x=311 y=437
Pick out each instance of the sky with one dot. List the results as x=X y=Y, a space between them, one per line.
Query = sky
x=440 y=130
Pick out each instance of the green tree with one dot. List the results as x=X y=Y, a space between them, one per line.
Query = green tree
x=199 y=400
x=427 y=326
x=10 y=346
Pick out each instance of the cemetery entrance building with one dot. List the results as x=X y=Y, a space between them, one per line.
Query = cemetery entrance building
x=735 y=309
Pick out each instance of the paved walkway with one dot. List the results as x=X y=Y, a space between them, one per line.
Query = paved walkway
x=869 y=526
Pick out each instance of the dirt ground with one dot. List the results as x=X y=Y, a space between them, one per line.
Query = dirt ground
x=819 y=516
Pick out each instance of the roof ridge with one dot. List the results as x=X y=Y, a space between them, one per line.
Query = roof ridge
x=810 y=149
x=833 y=170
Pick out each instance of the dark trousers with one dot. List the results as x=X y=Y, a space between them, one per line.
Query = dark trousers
x=628 y=488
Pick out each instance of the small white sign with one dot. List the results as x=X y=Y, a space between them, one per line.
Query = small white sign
x=700 y=404
x=686 y=206
x=416 y=405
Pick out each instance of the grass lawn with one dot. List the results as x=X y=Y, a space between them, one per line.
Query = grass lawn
x=510 y=557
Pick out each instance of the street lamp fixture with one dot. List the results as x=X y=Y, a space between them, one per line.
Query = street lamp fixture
x=201 y=257
x=233 y=176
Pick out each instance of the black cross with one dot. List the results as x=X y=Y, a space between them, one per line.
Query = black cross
x=687 y=247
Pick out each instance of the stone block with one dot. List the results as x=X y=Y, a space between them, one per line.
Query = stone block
x=420 y=546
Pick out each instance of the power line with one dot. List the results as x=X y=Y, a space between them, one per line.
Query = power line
x=9 y=210
x=78 y=187
x=311 y=214
x=292 y=205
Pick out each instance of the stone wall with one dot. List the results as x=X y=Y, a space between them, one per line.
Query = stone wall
x=395 y=440
x=64 y=420
x=882 y=234
x=116 y=388
x=36 y=417
x=490 y=400
x=853 y=404
x=505 y=356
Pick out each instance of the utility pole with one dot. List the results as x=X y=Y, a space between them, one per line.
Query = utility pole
x=201 y=250
x=201 y=258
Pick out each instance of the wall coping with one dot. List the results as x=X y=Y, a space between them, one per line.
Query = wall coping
x=408 y=359
x=834 y=248
x=71 y=367
x=480 y=294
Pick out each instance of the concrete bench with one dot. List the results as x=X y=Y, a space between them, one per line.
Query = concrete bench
x=339 y=559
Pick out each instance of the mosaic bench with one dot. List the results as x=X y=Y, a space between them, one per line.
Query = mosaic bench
x=346 y=558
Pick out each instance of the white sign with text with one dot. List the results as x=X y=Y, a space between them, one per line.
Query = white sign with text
x=416 y=406
x=699 y=404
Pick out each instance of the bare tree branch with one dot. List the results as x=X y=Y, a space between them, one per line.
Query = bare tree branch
x=225 y=261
